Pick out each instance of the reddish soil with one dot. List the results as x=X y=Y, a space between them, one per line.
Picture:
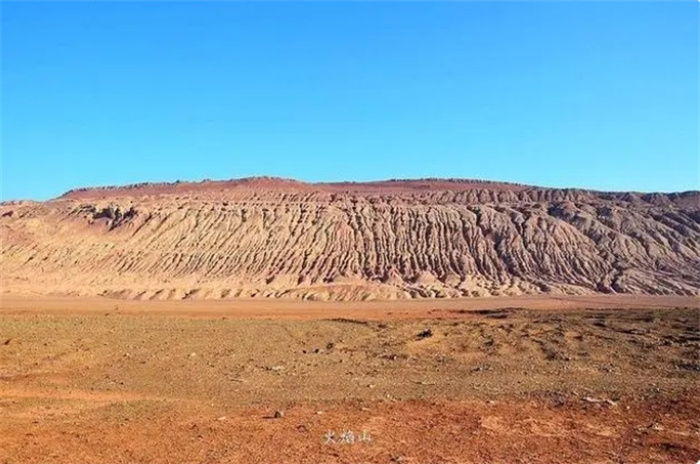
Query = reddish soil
x=527 y=379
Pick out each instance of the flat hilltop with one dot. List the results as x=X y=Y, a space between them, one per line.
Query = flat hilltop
x=398 y=239
x=261 y=184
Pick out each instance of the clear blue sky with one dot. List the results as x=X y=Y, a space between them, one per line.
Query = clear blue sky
x=579 y=94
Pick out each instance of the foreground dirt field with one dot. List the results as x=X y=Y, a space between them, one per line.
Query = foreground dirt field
x=529 y=379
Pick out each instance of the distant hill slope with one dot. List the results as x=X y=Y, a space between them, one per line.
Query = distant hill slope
x=267 y=237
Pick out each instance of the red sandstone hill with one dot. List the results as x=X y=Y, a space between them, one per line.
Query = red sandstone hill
x=269 y=237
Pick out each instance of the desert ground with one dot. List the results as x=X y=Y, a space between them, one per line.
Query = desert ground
x=584 y=379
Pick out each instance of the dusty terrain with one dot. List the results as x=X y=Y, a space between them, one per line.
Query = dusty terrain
x=267 y=237
x=513 y=379
x=481 y=322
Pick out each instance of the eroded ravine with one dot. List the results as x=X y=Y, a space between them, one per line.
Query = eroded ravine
x=268 y=237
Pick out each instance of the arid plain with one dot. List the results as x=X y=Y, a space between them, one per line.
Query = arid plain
x=454 y=322
x=517 y=379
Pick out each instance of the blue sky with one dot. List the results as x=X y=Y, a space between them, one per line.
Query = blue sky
x=599 y=95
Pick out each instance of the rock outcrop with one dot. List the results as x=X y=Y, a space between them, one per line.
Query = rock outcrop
x=265 y=237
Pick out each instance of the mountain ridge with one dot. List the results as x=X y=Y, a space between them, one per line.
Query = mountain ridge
x=435 y=183
x=420 y=238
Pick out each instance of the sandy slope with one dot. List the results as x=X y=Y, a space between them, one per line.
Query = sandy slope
x=385 y=240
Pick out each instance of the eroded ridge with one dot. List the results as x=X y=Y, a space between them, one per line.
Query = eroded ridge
x=266 y=237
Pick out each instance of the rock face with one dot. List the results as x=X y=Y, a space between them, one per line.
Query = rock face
x=265 y=237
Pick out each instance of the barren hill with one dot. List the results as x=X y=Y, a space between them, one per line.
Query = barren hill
x=267 y=237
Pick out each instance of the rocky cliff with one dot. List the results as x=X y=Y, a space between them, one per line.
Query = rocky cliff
x=265 y=237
